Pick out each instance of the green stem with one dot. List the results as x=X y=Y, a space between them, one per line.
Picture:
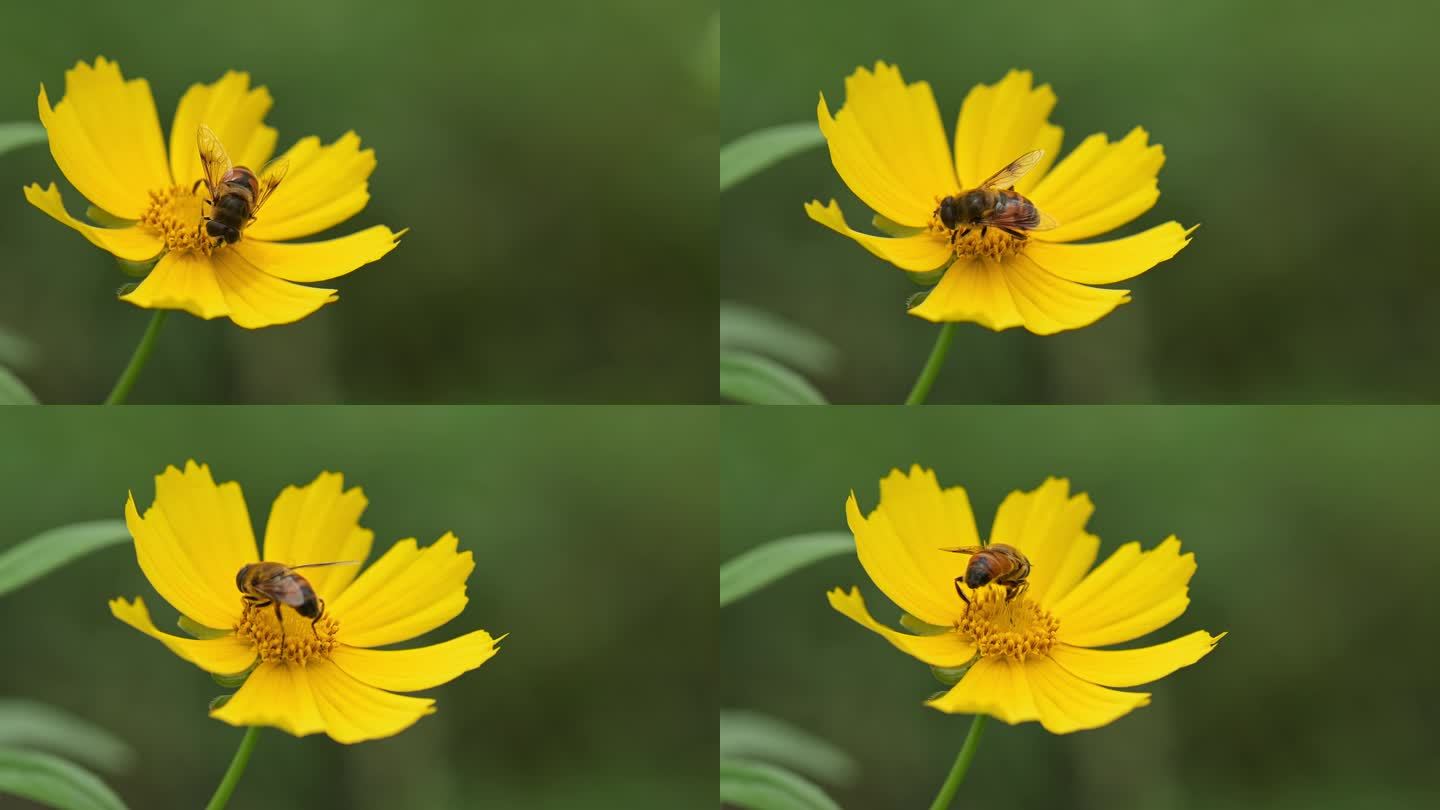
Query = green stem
x=235 y=771
x=962 y=764
x=137 y=360
x=932 y=366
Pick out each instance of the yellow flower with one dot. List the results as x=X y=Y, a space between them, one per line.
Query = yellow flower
x=195 y=538
x=105 y=136
x=888 y=145
x=1033 y=657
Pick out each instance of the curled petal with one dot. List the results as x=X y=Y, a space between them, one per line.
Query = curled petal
x=316 y=523
x=407 y=592
x=325 y=185
x=1100 y=186
x=1109 y=262
x=945 y=649
x=223 y=656
x=236 y=114
x=972 y=290
x=888 y=145
x=419 y=668
x=1048 y=525
x=1134 y=667
x=105 y=137
x=919 y=253
x=1002 y=121
x=319 y=261
x=1128 y=595
x=133 y=244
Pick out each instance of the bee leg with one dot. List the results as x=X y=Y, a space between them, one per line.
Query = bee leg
x=964 y=233
x=963 y=598
x=197 y=185
x=1017 y=234
x=280 y=620
x=1013 y=590
x=318 y=616
x=984 y=230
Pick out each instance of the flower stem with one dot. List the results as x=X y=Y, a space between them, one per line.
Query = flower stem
x=932 y=366
x=235 y=771
x=137 y=360
x=962 y=764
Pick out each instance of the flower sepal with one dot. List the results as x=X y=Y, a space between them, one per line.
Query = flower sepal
x=920 y=628
x=949 y=676
x=236 y=680
x=137 y=269
x=220 y=700
x=893 y=228
x=105 y=219
x=198 y=630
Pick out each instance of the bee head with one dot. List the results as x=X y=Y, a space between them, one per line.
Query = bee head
x=949 y=212
x=240 y=578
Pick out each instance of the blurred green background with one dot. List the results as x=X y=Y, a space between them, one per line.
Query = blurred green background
x=1294 y=134
x=588 y=543
x=1315 y=534
x=555 y=163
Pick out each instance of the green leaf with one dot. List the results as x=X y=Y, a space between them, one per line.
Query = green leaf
x=763 y=148
x=754 y=380
x=237 y=680
x=762 y=565
x=759 y=737
x=14 y=392
x=199 y=630
x=26 y=562
x=53 y=782
x=750 y=329
x=757 y=786
x=30 y=724
x=20 y=133
x=15 y=351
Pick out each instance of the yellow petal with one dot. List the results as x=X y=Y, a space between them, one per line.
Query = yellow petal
x=192 y=541
x=888 y=145
x=974 y=291
x=235 y=112
x=319 y=522
x=997 y=686
x=224 y=656
x=275 y=695
x=407 y=592
x=257 y=299
x=1109 y=262
x=132 y=244
x=1100 y=186
x=1068 y=704
x=319 y=261
x=320 y=697
x=919 y=253
x=1048 y=525
x=105 y=137
x=324 y=186
x=184 y=281
x=946 y=649
x=900 y=543
x=1134 y=667
x=1127 y=596
x=1001 y=122
x=1050 y=304
x=419 y=668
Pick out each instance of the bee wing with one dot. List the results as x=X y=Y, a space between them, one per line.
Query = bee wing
x=282 y=588
x=1043 y=222
x=270 y=178
x=1006 y=177
x=213 y=157
x=325 y=564
x=965 y=549
x=1026 y=217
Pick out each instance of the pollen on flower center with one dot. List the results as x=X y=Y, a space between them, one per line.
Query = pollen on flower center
x=977 y=240
x=297 y=643
x=1016 y=629
x=174 y=214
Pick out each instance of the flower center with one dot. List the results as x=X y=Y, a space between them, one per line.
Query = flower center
x=1017 y=628
x=174 y=215
x=292 y=639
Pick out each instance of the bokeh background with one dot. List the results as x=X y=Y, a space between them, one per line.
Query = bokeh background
x=555 y=163
x=589 y=545
x=1314 y=532
x=1294 y=138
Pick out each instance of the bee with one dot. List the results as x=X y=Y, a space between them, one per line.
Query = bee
x=994 y=204
x=272 y=583
x=236 y=193
x=998 y=563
